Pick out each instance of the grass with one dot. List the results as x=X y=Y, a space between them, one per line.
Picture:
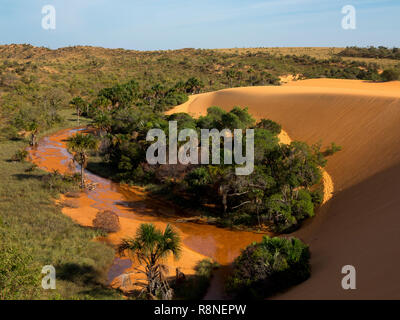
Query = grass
x=34 y=233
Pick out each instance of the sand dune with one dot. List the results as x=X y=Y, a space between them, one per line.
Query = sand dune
x=360 y=224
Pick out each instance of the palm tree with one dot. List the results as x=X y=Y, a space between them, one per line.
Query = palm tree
x=158 y=90
x=79 y=104
x=80 y=145
x=230 y=74
x=33 y=127
x=102 y=122
x=149 y=248
x=194 y=85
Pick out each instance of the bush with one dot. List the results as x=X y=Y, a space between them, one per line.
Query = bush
x=332 y=150
x=9 y=133
x=59 y=183
x=107 y=221
x=194 y=287
x=205 y=267
x=270 y=125
x=20 y=155
x=317 y=196
x=269 y=266
x=390 y=75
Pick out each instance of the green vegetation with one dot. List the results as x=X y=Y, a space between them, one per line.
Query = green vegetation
x=279 y=194
x=270 y=266
x=194 y=287
x=80 y=145
x=34 y=233
x=20 y=155
x=371 y=52
x=390 y=75
x=79 y=105
x=149 y=248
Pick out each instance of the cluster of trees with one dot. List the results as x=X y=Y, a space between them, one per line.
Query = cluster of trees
x=280 y=193
x=237 y=78
x=390 y=75
x=371 y=52
x=335 y=68
x=121 y=96
x=38 y=114
x=269 y=266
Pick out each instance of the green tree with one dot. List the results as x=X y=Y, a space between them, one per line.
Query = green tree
x=79 y=104
x=33 y=127
x=194 y=85
x=149 y=248
x=230 y=74
x=102 y=122
x=390 y=75
x=80 y=145
x=269 y=266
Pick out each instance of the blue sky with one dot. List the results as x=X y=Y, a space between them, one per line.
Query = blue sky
x=171 y=24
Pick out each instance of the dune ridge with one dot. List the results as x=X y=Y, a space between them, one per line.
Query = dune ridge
x=360 y=225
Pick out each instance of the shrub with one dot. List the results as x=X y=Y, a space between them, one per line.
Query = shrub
x=107 y=221
x=270 y=125
x=59 y=183
x=332 y=150
x=317 y=196
x=269 y=266
x=205 y=267
x=390 y=75
x=194 y=287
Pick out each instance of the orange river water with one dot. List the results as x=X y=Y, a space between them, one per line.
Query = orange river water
x=134 y=206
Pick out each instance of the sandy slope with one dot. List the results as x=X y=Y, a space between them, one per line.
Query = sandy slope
x=360 y=225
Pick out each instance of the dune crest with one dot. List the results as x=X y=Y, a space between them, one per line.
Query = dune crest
x=359 y=225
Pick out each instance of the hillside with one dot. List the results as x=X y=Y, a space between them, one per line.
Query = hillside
x=37 y=80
